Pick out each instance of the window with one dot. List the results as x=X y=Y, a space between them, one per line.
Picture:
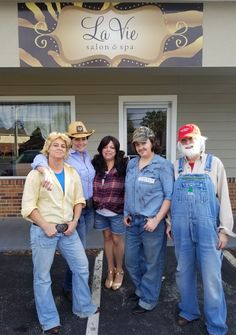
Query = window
x=156 y=112
x=152 y=117
x=24 y=126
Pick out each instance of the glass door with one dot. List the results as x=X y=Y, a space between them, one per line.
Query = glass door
x=152 y=117
x=157 y=112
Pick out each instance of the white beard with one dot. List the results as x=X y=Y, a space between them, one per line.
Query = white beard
x=191 y=150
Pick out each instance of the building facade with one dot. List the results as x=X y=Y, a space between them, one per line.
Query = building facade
x=115 y=92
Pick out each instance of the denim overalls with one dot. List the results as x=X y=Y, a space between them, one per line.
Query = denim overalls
x=194 y=212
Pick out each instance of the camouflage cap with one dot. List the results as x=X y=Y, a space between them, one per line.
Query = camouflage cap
x=142 y=134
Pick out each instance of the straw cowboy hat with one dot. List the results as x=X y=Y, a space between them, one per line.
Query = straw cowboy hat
x=78 y=130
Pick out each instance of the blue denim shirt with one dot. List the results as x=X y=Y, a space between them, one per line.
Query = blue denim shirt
x=146 y=189
x=81 y=162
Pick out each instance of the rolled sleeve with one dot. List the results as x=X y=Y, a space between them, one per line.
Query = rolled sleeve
x=39 y=160
x=78 y=191
x=225 y=215
x=167 y=179
x=30 y=194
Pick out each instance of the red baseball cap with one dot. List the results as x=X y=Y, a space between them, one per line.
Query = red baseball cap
x=188 y=130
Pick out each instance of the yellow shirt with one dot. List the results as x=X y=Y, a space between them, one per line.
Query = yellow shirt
x=55 y=206
x=219 y=179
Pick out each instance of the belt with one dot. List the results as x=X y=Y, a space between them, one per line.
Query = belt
x=89 y=203
x=61 y=228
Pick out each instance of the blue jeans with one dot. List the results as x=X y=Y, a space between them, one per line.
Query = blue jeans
x=85 y=224
x=144 y=259
x=43 y=251
x=194 y=212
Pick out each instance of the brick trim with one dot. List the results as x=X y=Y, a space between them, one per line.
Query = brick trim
x=231 y=180
x=11 y=191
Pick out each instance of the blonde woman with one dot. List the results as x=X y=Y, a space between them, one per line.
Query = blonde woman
x=54 y=215
x=80 y=160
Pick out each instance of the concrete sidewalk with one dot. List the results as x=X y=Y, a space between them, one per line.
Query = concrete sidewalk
x=14 y=235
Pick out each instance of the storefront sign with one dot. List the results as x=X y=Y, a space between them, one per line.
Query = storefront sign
x=107 y=34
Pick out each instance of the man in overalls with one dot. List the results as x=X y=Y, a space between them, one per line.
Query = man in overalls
x=201 y=221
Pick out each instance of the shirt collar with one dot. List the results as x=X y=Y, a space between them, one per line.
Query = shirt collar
x=156 y=158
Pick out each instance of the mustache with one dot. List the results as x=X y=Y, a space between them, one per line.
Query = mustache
x=191 y=150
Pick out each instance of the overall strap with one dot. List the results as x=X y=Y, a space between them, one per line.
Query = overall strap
x=208 y=163
x=181 y=165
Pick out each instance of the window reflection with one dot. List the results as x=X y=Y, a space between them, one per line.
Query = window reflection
x=154 y=118
x=23 y=128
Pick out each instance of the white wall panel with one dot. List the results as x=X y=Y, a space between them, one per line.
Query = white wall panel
x=9 y=55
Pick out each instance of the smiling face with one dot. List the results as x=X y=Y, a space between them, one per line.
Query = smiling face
x=144 y=149
x=57 y=149
x=109 y=152
x=79 y=144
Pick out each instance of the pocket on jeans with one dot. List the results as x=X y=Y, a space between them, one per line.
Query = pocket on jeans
x=204 y=198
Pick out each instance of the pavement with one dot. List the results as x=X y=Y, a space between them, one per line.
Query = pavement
x=14 y=235
x=17 y=309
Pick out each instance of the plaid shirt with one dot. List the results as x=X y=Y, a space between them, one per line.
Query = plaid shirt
x=108 y=191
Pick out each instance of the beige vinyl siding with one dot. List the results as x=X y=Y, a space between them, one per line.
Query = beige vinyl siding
x=201 y=100
x=219 y=26
x=217 y=120
x=208 y=100
x=9 y=56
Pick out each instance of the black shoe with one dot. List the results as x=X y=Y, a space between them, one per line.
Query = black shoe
x=133 y=297
x=67 y=294
x=139 y=310
x=54 y=330
x=97 y=310
x=184 y=322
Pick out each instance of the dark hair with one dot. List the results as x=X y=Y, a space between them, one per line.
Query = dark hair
x=155 y=147
x=99 y=162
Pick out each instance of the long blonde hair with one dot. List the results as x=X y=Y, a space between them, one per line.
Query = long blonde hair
x=51 y=138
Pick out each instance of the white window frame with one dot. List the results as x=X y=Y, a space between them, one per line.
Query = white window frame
x=143 y=100
x=41 y=98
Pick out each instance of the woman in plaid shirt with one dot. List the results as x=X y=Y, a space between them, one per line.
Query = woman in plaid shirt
x=108 y=196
